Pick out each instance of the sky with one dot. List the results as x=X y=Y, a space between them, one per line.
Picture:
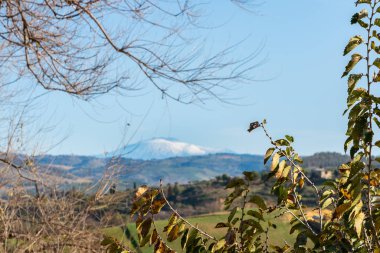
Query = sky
x=297 y=88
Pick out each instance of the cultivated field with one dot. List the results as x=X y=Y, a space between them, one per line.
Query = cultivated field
x=207 y=223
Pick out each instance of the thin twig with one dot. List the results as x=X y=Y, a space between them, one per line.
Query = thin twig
x=180 y=217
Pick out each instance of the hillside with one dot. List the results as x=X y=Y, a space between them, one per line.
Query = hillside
x=176 y=169
x=325 y=160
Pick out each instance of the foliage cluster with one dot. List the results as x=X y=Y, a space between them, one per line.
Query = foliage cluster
x=348 y=208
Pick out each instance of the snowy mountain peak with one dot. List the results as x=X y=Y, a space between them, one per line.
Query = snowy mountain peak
x=161 y=148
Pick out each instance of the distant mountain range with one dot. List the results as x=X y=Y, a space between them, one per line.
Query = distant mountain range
x=162 y=148
x=84 y=169
x=170 y=160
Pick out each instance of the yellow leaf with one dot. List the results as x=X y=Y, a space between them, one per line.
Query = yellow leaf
x=159 y=247
x=281 y=167
x=141 y=190
x=275 y=161
x=153 y=237
x=345 y=193
x=359 y=223
x=340 y=210
x=295 y=176
x=327 y=202
x=219 y=245
x=301 y=182
x=286 y=171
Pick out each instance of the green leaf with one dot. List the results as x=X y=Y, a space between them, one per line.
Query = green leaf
x=297 y=226
x=376 y=121
x=235 y=220
x=377 y=77
x=232 y=214
x=356 y=94
x=375 y=34
x=352 y=44
x=144 y=241
x=289 y=138
x=327 y=202
x=368 y=136
x=281 y=193
x=255 y=199
x=282 y=142
x=363 y=24
x=191 y=236
x=106 y=241
x=184 y=238
x=353 y=79
x=297 y=158
x=356 y=167
x=253 y=224
x=375 y=48
x=377 y=22
x=355 y=58
x=145 y=226
x=376 y=63
x=255 y=214
x=219 y=245
x=235 y=182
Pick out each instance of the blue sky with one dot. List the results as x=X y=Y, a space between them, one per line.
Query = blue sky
x=301 y=95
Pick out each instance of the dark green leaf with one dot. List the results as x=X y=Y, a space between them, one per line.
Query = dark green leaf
x=376 y=63
x=232 y=214
x=255 y=199
x=222 y=225
x=255 y=214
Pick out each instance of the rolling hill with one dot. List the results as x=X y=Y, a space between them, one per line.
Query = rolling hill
x=169 y=160
x=171 y=170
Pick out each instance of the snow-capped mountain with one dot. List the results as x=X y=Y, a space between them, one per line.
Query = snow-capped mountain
x=161 y=148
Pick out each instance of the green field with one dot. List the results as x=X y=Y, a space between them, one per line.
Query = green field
x=206 y=223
